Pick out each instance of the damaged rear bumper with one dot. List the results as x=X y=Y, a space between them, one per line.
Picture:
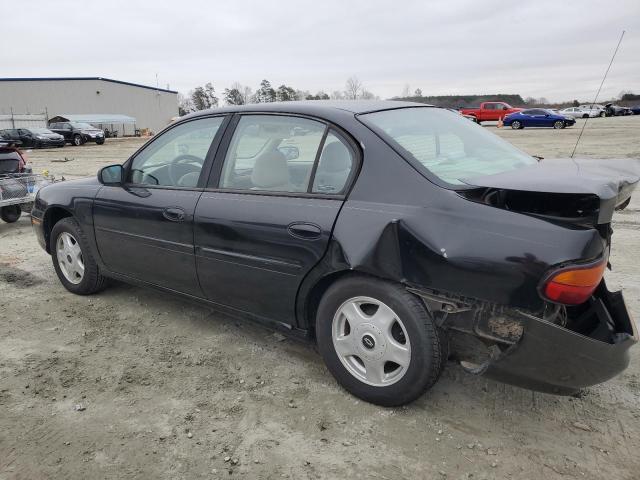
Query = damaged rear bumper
x=534 y=353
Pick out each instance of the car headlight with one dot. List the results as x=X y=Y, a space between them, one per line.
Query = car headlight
x=39 y=137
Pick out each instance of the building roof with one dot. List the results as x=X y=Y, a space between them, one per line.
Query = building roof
x=61 y=79
x=103 y=118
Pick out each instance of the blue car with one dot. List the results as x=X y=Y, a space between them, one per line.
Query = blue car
x=537 y=117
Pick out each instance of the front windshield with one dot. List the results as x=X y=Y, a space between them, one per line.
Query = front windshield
x=445 y=144
x=83 y=125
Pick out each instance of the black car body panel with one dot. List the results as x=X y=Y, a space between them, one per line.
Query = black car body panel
x=611 y=181
x=270 y=256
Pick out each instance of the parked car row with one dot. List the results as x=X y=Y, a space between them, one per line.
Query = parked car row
x=595 y=110
x=518 y=118
x=57 y=135
x=33 y=137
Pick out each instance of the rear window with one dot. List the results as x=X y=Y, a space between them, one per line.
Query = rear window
x=445 y=144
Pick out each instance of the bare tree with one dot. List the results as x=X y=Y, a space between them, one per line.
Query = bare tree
x=367 y=95
x=417 y=93
x=337 y=95
x=406 y=91
x=353 y=88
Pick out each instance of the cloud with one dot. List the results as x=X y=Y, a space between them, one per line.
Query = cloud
x=545 y=48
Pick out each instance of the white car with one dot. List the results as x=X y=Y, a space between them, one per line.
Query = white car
x=600 y=110
x=579 y=112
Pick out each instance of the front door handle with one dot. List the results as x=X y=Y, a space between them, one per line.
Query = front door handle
x=304 y=231
x=173 y=214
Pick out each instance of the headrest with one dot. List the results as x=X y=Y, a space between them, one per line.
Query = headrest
x=335 y=158
x=270 y=171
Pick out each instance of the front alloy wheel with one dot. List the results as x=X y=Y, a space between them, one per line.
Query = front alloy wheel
x=558 y=124
x=69 y=255
x=75 y=266
x=516 y=125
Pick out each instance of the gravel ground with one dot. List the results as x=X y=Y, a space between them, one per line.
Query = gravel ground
x=132 y=383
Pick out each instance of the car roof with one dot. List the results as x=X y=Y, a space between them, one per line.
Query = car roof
x=314 y=107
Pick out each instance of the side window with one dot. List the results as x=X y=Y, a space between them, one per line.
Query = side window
x=490 y=106
x=176 y=157
x=334 y=168
x=272 y=153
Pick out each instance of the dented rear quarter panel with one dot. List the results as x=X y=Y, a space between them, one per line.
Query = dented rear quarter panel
x=398 y=225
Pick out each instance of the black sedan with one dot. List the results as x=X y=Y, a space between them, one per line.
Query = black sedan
x=396 y=235
x=34 y=137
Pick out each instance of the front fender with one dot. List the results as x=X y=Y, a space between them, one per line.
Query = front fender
x=67 y=198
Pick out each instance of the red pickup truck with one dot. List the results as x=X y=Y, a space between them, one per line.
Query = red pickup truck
x=490 y=111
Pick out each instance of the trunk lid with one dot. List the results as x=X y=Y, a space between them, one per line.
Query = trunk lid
x=579 y=191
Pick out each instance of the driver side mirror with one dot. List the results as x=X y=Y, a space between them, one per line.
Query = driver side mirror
x=113 y=175
x=505 y=108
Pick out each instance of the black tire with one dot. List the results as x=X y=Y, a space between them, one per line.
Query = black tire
x=426 y=355
x=92 y=281
x=586 y=115
x=516 y=125
x=10 y=214
x=100 y=142
x=77 y=140
x=558 y=124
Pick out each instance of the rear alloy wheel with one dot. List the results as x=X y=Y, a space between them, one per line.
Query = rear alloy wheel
x=72 y=259
x=558 y=124
x=378 y=340
x=586 y=115
x=603 y=114
x=11 y=213
x=516 y=125
x=77 y=140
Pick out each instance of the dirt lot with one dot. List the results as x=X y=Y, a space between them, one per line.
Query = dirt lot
x=167 y=389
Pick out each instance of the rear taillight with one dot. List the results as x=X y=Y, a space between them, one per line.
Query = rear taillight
x=574 y=284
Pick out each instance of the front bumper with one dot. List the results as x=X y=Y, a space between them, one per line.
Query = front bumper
x=51 y=142
x=37 y=223
x=547 y=357
x=92 y=138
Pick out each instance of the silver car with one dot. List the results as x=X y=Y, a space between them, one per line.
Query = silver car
x=600 y=110
x=579 y=112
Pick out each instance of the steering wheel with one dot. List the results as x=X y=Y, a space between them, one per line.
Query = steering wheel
x=179 y=167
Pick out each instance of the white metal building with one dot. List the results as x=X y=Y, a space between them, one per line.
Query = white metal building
x=152 y=107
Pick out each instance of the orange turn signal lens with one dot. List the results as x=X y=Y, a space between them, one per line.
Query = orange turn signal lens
x=574 y=285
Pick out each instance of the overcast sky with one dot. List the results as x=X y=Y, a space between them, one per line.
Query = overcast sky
x=553 y=49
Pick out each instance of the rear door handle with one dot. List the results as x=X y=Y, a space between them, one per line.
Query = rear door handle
x=304 y=231
x=173 y=214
